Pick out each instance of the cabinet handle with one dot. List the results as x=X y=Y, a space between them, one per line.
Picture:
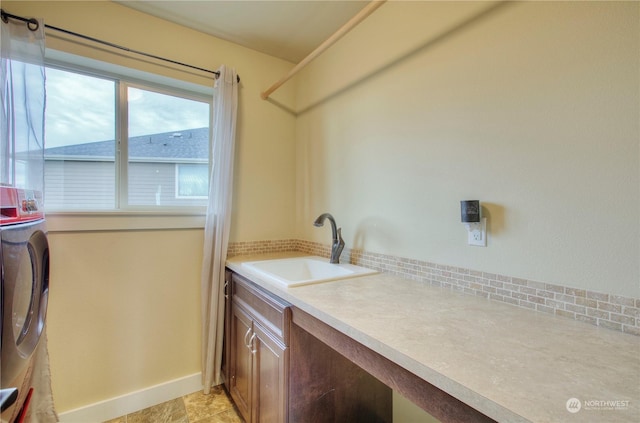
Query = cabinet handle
x=246 y=344
x=226 y=284
x=250 y=346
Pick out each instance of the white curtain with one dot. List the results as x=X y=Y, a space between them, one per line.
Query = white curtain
x=216 y=231
x=23 y=103
x=22 y=156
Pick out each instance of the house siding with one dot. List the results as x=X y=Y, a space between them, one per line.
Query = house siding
x=90 y=185
x=154 y=184
x=79 y=185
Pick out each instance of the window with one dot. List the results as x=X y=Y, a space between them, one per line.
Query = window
x=114 y=144
x=192 y=180
x=80 y=142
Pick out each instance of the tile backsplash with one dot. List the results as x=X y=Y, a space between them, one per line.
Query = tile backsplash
x=597 y=308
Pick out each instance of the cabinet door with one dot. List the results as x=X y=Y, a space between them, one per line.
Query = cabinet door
x=226 y=343
x=271 y=361
x=241 y=363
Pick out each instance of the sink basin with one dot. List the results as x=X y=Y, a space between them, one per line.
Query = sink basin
x=306 y=270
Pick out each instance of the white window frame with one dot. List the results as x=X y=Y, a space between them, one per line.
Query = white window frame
x=123 y=216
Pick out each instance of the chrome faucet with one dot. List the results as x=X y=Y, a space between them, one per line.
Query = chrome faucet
x=338 y=243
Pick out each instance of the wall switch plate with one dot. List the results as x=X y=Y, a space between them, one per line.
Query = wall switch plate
x=478 y=233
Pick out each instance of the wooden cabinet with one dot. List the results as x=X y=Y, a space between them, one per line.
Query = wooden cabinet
x=258 y=336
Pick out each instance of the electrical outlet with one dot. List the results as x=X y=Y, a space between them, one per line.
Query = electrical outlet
x=478 y=234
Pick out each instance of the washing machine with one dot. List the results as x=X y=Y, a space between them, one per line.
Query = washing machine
x=24 y=257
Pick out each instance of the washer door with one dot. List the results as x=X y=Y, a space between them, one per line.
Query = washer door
x=25 y=291
x=30 y=294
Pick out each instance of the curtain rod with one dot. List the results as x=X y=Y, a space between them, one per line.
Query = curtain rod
x=351 y=23
x=33 y=25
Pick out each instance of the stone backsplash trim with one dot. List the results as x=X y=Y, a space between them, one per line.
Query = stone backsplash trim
x=599 y=309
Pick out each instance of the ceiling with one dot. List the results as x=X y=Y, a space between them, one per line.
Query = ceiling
x=288 y=29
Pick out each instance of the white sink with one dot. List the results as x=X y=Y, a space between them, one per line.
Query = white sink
x=297 y=271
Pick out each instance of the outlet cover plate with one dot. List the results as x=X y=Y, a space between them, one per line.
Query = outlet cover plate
x=478 y=234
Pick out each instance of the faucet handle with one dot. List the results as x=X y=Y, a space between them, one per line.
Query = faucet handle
x=337 y=247
x=340 y=241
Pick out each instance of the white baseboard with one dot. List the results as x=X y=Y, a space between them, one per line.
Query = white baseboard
x=134 y=401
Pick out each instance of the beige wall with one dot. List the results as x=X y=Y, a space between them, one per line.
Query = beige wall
x=124 y=309
x=124 y=312
x=531 y=108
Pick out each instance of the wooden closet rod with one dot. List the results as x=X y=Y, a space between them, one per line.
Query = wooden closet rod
x=359 y=17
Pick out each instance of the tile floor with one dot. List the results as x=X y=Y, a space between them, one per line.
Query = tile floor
x=216 y=407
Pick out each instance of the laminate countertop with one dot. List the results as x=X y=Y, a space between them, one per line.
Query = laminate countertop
x=511 y=364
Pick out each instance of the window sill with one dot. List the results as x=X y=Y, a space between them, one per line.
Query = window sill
x=122 y=221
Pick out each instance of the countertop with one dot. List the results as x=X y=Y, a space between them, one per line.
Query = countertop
x=511 y=364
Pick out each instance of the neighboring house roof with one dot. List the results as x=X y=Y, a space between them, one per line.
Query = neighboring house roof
x=189 y=144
